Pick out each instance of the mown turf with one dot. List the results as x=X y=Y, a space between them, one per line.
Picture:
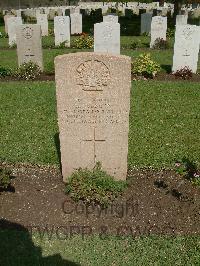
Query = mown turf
x=28 y=122
x=8 y=57
x=20 y=249
x=164 y=123
x=163 y=57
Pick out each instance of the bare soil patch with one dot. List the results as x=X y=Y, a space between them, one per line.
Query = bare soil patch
x=156 y=202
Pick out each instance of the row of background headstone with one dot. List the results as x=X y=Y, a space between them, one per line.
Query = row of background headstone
x=129 y=21
x=107 y=35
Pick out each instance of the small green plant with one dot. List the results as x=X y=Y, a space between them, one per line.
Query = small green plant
x=136 y=44
x=28 y=71
x=160 y=44
x=5 y=178
x=62 y=45
x=145 y=34
x=170 y=33
x=183 y=73
x=145 y=66
x=51 y=32
x=4 y=72
x=188 y=170
x=94 y=186
x=3 y=35
x=83 y=42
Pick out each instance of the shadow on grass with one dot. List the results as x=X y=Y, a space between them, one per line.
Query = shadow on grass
x=17 y=248
x=167 y=68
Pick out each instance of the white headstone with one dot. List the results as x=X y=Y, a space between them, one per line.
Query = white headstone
x=110 y=18
x=76 y=23
x=158 y=29
x=59 y=12
x=186 y=47
x=43 y=22
x=146 y=23
x=52 y=14
x=181 y=19
x=107 y=38
x=6 y=17
x=104 y=9
x=12 y=23
x=62 y=30
x=18 y=12
x=93 y=103
x=37 y=12
x=29 y=44
x=74 y=10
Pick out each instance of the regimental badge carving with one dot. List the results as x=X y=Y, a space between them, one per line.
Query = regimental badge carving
x=61 y=20
x=93 y=75
x=27 y=32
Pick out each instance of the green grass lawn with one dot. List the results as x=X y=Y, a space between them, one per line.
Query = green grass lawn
x=164 y=123
x=20 y=249
x=8 y=58
x=48 y=41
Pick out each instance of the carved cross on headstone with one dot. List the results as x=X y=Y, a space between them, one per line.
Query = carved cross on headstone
x=62 y=37
x=28 y=54
x=94 y=140
x=186 y=53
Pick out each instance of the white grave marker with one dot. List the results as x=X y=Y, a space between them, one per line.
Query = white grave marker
x=107 y=38
x=186 y=47
x=62 y=30
x=158 y=29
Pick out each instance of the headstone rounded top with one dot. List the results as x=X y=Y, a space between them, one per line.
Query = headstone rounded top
x=93 y=103
x=92 y=55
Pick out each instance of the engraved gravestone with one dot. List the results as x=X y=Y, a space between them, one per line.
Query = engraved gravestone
x=76 y=23
x=19 y=13
x=107 y=37
x=13 y=22
x=146 y=23
x=43 y=22
x=62 y=30
x=37 y=12
x=29 y=44
x=74 y=10
x=186 y=47
x=110 y=18
x=59 y=12
x=52 y=14
x=104 y=9
x=181 y=19
x=6 y=21
x=93 y=101
x=158 y=29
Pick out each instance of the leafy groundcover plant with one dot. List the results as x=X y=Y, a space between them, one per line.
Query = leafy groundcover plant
x=160 y=44
x=145 y=66
x=183 y=73
x=94 y=186
x=28 y=71
x=4 y=72
x=188 y=170
x=83 y=42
